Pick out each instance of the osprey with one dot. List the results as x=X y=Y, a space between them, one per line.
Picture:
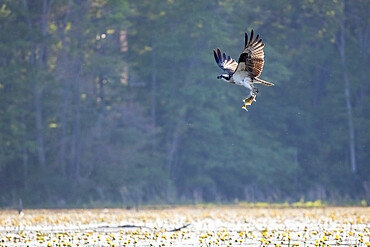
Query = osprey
x=245 y=72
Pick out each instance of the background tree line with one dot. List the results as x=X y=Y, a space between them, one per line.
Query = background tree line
x=110 y=101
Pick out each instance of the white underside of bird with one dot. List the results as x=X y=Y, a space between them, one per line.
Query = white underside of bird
x=241 y=78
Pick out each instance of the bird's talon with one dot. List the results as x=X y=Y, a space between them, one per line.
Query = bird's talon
x=250 y=99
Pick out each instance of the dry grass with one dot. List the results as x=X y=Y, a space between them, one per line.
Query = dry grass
x=212 y=226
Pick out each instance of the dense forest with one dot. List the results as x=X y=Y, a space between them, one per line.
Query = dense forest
x=117 y=102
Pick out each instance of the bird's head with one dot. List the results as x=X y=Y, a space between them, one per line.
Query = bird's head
x=225 y=77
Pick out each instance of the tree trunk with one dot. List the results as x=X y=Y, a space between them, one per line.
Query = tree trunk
x=75 y=143
x=25 y=156
x=63 y=124
x=154 y=82
x=37 y=92
x=175 y=143
x=102 y=106
x=39 y=129
x=179 y=129
x=65 y=98
x=347 y=94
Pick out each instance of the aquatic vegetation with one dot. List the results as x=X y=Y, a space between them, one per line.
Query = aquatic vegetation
x=214 y=226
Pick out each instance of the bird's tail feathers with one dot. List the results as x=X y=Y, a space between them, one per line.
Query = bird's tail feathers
x=266 y=83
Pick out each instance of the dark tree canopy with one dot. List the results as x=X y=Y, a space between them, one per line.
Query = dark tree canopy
x=107 y=101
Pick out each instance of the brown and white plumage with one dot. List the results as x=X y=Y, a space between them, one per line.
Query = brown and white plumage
x=249 y=67
x=252 y=57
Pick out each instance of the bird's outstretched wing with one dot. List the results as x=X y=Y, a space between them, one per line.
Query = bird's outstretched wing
x=228 y=64
x=252 y=57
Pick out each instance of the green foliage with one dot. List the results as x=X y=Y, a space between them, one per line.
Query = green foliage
x=122 y=101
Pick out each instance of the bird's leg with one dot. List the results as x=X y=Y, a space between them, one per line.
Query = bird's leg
x=251 y=97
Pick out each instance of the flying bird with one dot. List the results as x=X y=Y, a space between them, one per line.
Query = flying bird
x=246 y=71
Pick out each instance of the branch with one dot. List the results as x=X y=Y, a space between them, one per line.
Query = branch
x=137 y=226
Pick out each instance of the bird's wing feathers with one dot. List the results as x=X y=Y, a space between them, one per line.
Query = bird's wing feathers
x=252 y=57
x=228 y=64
